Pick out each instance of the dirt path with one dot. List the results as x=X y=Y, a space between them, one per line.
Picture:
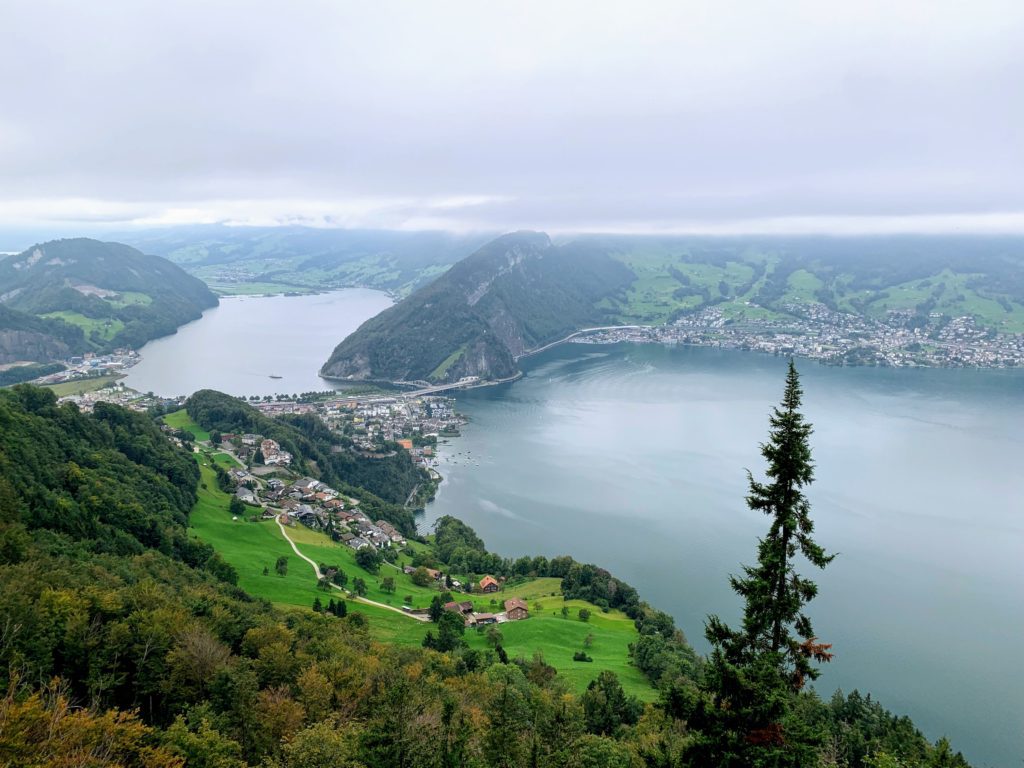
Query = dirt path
x=356 y=598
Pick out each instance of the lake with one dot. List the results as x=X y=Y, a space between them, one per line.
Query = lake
x=633 y=457
x=238 y=346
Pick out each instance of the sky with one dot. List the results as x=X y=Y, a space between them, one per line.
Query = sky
x=715 y=117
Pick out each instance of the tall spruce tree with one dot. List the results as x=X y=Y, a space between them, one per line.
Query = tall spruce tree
x=755 y=671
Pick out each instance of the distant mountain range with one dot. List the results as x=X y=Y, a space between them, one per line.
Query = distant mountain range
x=77 y=295
x=521 y=292
x=235 y=260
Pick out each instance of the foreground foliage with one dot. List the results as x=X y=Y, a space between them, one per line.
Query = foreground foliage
x=123 y=644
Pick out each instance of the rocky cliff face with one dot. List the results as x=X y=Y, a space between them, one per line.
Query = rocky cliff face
x=19 y=346
x=515 y=294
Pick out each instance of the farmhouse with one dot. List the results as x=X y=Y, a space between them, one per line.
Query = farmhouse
x=488 y=584
x=516 y=610
x=466 y=606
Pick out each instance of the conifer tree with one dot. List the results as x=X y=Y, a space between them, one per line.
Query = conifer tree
x=756 y=670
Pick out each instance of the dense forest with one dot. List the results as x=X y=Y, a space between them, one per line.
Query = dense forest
x=98 y=296
x=382 y=484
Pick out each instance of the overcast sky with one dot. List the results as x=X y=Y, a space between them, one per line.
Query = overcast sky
x=565 y=116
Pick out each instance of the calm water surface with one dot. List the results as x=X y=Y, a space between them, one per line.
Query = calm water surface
x=237 y=346
x=633 y=457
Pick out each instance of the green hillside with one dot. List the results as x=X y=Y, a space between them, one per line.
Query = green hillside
x=954 y=276
x=520 y=292
x=95 y=296
x=514 y=294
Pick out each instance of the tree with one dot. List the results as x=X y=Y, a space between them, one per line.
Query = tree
x=236 y=506
x=215 y=437
x=257 y=458
x=436 y=610
x=388 y=585
x=565 y=611
x=584 y=614
x=369 y=559
x=606 y=706
x=494 y=636
x=339 y=578
x=420 y=577
x=359 y=586
x=450 y=629
x=318 y=607
x=281 y=566
x=755 y=671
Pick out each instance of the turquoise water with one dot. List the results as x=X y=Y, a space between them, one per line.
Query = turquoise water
x=633 y=457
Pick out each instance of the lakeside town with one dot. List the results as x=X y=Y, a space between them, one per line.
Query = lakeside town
x=899 y=339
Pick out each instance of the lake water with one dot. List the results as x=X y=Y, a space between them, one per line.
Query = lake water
x=633 y=457
x=237 y=346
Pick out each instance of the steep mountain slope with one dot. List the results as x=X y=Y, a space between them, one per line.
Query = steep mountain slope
x=514 y=294
x=26 y=337
x=92 y=295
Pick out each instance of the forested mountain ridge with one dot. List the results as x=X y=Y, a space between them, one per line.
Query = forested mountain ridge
x=92 y=296
x=514 y=294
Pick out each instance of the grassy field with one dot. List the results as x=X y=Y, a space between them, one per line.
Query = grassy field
x=130 y=299
x=103 y=328
x=546 y=631
x=181 y=420
x=447 y=363
x=259 y=289
x=558 y=638
x=225 y=460
x=82 y=386
x=250 y=547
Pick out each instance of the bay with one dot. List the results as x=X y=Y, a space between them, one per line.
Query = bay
x=239 y=345
x=633 y=457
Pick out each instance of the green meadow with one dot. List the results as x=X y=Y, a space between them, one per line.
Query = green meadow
x=252 y=546
x=104 y=328
x=181 y=420
x=81 y=386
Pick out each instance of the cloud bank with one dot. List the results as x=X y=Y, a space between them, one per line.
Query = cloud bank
x=571 y=116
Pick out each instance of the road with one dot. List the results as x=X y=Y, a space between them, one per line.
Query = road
x=581 y=331
x=319 y=576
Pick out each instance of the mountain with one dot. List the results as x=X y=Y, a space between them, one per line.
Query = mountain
x=520 y=292
x=295 y=259
x=76 y=295
x=27 y=337
x=514 y=294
